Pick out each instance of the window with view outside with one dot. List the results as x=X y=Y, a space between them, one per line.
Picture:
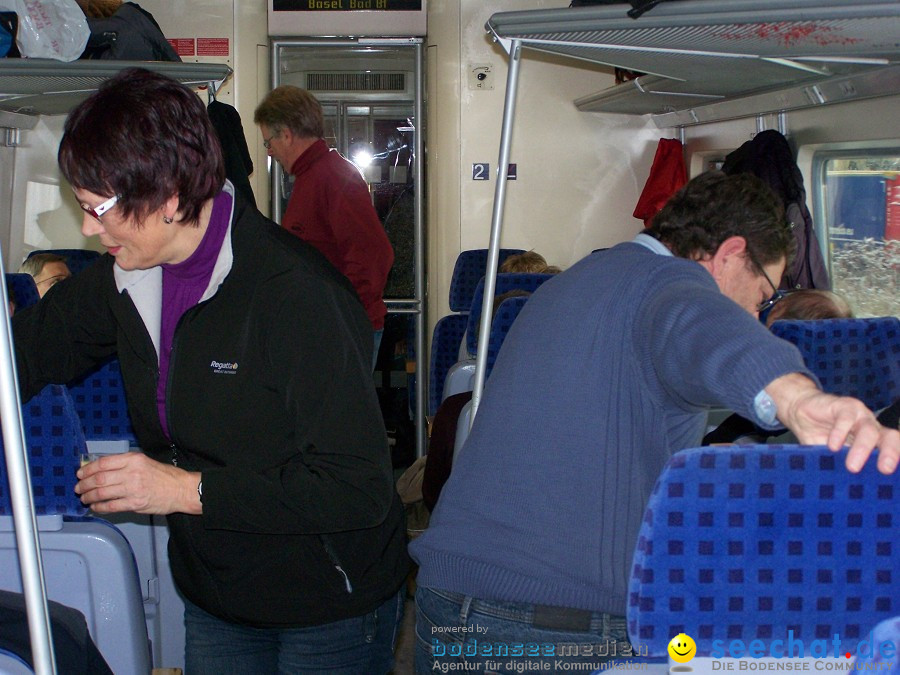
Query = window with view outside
x=860 y=199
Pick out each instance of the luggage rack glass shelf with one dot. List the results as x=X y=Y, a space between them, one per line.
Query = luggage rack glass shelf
x=708 y=60
x=32 y=87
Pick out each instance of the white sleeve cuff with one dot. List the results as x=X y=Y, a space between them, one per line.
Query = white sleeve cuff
x=766 y=410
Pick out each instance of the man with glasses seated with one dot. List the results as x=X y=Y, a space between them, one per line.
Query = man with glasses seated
x=608 y=371
x=48 y=269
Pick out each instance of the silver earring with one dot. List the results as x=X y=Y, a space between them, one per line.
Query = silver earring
x=167 y=220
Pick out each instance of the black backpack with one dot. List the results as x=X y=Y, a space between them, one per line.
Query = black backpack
x=131 y=34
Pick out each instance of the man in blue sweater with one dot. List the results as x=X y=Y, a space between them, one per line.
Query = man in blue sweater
x=610 y=369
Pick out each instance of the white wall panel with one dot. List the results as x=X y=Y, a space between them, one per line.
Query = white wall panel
x=45 y=213
x=203 y=32
x=579 y=174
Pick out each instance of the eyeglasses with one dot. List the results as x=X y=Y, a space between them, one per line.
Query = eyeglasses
x=776 y=294
x=98 y=211
x=267 y=142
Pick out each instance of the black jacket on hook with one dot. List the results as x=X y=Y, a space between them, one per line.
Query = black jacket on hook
x=769 y=157
x=238 y=163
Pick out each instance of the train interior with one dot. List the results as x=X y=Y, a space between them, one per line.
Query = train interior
x=486 y=128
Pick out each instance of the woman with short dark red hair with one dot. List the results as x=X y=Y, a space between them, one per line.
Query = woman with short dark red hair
x=247 y=363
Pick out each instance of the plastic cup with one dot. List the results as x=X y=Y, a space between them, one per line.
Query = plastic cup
x=88 y=457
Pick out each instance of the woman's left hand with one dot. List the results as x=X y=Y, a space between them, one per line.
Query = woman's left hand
x=133 y=482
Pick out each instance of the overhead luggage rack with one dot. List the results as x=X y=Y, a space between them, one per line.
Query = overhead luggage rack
x=48 y=87
x=699 y=53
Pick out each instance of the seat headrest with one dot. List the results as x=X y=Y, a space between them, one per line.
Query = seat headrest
x=751 y=542
x=23 y=288
x=470 y=267
x=505 y=282
x=76 y=258
x=503 y=320
x=851 y=357
x=55 y=442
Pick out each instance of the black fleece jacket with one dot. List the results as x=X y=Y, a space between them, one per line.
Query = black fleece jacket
x=270 y=396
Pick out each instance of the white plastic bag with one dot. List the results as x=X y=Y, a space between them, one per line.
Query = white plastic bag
x=49 y=29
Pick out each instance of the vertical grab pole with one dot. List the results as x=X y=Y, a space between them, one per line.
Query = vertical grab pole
x=27 y=541
x=419 y=220
x=490 y=274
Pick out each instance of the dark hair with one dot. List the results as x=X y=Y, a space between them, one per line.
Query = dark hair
x=144 y=137
x=713 y=207
x=291 y=107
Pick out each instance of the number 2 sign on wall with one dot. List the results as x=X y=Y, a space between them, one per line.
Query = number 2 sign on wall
x=482 y=171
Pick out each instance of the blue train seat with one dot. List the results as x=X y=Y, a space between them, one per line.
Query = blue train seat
x=13 y=664
x=449 y=331
x=76 y=258
x=467 y=273
x=505 y=283
x=445 y=341
x=88 y=563
x=23 y=289
x=851 y=357
x=461 y=375
x=462 y=429
x=751 y=542
x=502 y=321
x=99 y=399
x=55 y=442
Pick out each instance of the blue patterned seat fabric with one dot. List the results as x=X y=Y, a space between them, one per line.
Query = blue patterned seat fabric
x=76 y=258
x=99 y=399
x=447 y=336
x=55 y=442
x=505 y=282
x=501 y=323
x=851 y=357
x=467 y=273
x=449 y=330
x=23 y=288
x=750 y=542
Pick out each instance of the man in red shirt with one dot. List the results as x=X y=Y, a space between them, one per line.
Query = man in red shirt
x=330 y=206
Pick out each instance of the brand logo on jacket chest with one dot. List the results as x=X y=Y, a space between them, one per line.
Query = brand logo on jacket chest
x=220 y=368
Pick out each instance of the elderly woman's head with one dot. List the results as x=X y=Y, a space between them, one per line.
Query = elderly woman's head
x=146 y=140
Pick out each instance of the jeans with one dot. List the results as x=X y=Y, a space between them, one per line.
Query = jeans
x=512 y=637
x=363 y=644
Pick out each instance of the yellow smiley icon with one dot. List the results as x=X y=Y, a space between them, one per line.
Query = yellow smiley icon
x=682 y=648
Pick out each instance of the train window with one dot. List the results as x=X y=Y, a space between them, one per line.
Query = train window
x=858 y=213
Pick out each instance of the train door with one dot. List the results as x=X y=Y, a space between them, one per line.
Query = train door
x=371 y=94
